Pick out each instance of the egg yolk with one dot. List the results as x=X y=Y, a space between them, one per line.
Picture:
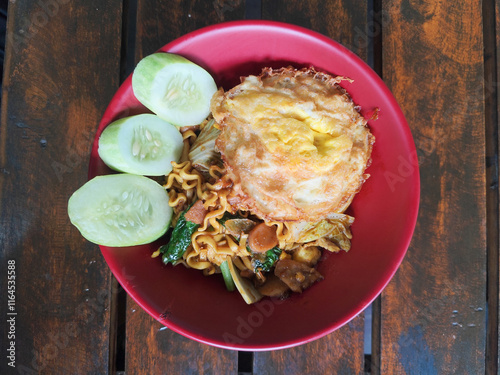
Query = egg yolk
x=294 y=128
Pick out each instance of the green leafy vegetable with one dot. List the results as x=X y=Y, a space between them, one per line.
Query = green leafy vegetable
x=266 y=262
x=180 y=239
x=226 y=274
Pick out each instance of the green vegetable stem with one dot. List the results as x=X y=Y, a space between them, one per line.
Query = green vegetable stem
x=226 y=274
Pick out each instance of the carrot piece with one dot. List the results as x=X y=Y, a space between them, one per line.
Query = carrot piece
x=196 y=213
x=262 y=238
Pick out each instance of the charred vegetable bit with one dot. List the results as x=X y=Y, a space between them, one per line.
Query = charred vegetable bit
x=236 y=225
x=264 y=262
x=273 y=287
x=180 y=239
x=228 y=216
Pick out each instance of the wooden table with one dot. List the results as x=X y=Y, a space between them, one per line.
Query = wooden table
x=64 y=61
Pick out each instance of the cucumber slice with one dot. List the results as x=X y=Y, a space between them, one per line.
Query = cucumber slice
x=120 y=210
x=176 y=89
x=142 y=144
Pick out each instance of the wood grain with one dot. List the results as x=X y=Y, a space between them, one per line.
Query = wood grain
x=57 y=83
x=342 y=20
x=154 y=349
x=342 y=351
x=434 y=310
x=160 y=22
x=59 y=77
x=149 y=349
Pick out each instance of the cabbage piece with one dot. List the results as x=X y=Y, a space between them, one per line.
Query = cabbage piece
x=332 y=234
x=341 y=233
x=249 y=293
x=203 y=153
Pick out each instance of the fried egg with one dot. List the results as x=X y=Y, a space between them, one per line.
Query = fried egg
x=293 y=143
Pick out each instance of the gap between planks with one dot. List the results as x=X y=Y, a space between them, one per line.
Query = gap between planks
x=373 y=359
x=490 y=82
x=117 y=352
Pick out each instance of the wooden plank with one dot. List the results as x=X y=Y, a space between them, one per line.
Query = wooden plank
x=62 y=64
x=341 y=352
x=158 y=23
x=152 y=348
x=434 y=310
x=342 y=20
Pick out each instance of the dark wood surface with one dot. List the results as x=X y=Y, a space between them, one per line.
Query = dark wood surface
x=65 y=60
x=434 y=310
x=61 y=70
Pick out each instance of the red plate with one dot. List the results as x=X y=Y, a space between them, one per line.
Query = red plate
x=199 y=307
